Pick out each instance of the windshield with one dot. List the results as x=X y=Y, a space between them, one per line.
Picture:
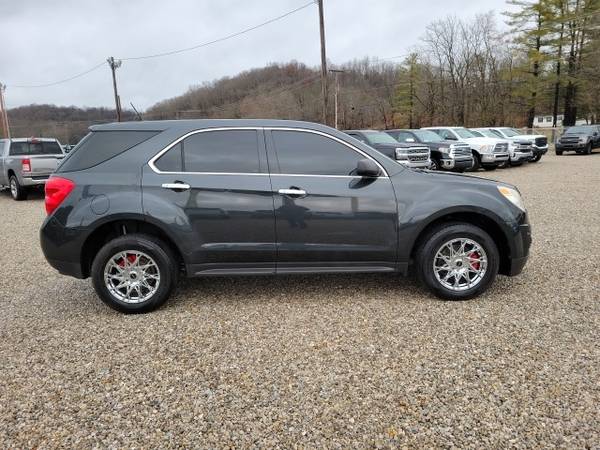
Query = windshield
x=579 y=130
x=511 y=132
x=464 y=133
x=486 y=133
x=379 y=137
x=428 y=136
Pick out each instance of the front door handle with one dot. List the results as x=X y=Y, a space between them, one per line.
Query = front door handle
x=176 y=186
x=292 y=191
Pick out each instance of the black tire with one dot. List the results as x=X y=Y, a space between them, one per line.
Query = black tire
x=490 y=168
x=435 y=164
x=155 y=249
x=558 y=153
x=476 y=162
x=588 y=149
x=537 y=157
x=516 y=164
x=17 y=191
x=435 y=239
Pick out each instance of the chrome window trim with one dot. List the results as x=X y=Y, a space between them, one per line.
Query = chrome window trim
x=181 y=138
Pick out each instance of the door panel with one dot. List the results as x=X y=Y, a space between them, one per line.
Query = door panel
x=224 y=222
x=338 y=222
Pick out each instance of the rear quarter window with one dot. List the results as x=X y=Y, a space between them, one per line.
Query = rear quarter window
x=100 y=146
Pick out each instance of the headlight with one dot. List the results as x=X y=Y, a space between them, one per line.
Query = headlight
x=448 y=150
x=401 y=153
x=513 y=196
x=582 y=139
x=487 y=148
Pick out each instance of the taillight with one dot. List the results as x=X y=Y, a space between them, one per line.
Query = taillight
x=26 y=165
x=57 y=189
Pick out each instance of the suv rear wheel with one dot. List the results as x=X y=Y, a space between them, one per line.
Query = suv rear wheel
x=134 y=273
x=457 y=261
x=17 y=191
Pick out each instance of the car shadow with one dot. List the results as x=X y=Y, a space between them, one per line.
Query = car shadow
x=305 y=289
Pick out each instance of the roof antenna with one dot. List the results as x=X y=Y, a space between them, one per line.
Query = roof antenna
x=136 y=111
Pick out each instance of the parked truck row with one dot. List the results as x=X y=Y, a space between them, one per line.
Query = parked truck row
x=456 y=148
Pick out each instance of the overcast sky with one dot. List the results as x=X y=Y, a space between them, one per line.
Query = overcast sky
x=44 y=41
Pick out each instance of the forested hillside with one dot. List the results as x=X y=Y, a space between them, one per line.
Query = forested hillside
x=67 y=123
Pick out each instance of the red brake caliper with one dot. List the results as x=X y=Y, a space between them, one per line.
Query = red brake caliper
x=130 y=258
x=475 y=264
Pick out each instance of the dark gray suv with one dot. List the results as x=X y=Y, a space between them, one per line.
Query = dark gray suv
x=136 y=205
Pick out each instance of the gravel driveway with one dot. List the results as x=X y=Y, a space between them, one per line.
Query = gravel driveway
x=326 y=361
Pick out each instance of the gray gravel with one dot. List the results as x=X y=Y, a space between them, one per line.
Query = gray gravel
x=329 y=361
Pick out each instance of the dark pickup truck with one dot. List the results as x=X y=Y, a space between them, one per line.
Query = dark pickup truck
x=580 y=139
x=446 y=155
x=411 y=155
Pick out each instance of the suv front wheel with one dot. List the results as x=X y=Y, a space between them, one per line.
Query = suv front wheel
x=134 y=273
x=457 y=261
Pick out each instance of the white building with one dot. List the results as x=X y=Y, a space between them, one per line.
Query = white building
x=546 y=121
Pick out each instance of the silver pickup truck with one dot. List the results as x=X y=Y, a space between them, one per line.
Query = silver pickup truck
x=27 y=162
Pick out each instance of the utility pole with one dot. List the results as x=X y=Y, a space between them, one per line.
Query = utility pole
x=323 y=62
x=5 y=125
x=336 y=94
x=114 y=65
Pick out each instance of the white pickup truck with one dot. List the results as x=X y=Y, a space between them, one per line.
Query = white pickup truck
x=488 y=153
x=539 y=142
x=27 y=162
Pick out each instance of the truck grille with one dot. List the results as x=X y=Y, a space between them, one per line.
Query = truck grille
x=417 y=154
x=462 y=150
x=569 y=140
x=541 y=141
x=501 y=148
x=523 y=146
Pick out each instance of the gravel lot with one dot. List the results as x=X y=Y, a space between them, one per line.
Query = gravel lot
x=328 y=361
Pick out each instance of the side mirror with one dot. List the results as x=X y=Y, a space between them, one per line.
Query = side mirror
x=367 y=168
x=450 y=137
x=595 y=133
x=409 y=140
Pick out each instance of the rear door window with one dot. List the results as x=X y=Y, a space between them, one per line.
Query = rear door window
x=233 y=151
x=100 y=146
x=219 y=151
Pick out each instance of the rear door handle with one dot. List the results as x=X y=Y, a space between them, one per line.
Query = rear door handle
x=177 y=186
x=301 y=192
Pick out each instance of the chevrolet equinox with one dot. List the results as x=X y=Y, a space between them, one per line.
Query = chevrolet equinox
x=136 y=205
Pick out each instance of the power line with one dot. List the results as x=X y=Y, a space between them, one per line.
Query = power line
x=173 y=52
x=221 y=39
x=54 y=83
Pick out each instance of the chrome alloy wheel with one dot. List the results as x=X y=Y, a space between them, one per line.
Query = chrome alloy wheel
x=460 y=264
x=131 y=276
